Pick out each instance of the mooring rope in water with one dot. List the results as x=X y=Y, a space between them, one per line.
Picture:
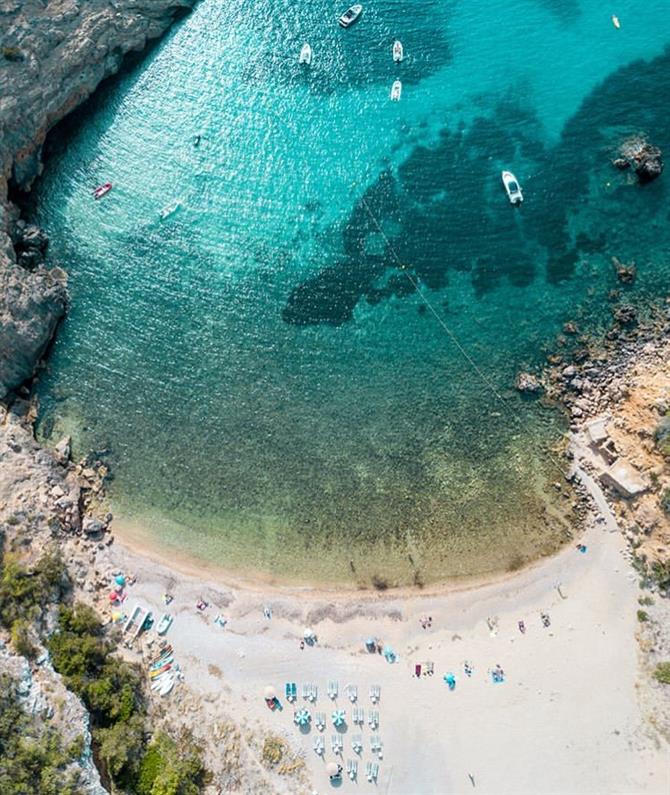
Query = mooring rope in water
x=475 y=367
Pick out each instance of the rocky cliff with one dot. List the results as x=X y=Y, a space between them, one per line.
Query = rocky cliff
x=53 y=55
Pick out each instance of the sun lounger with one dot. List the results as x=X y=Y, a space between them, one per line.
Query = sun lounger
x=359 y=716
x=357 y=743
x=371 y=771
x=375 y=743
x=333 y=690
x=305 y=690
x=373 y=719
x=319 y=745
x=313 y=693
x=352 y=691
x=428 y=669
x=320 y=721
x=288 y=692
x=417 y=670
x=375 y=693
x=352 y=769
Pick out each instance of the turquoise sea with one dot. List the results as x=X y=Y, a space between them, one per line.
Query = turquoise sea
x=270 y=390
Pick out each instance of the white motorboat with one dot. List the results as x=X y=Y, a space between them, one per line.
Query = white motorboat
x=164 y=624
x=615 y=21
x=305 y=54
x=396 y=91
x=351 y=15
x=512 y=187
x=398 y=52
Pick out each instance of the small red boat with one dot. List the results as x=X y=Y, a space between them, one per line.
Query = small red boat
x=101 y=190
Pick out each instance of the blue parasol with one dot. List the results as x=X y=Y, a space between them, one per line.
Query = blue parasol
x=338 y=717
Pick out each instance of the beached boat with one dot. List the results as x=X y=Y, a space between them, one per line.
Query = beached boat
x=101 y=190
x=398 y=52
x=305 y=54
x=396 y=90
x=166 y=686
x=512 y=187
x=133 y=618
x=164 y=624
x=351 y=15
x=159 y=671
x=615 y=21
x=169 y=209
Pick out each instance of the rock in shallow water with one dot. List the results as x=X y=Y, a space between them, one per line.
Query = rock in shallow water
x=528 y=384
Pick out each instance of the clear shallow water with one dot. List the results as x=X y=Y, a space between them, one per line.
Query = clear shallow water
x=269 y=388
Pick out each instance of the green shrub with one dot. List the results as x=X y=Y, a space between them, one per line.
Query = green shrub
x=665 y=500
x=662 y=673
x=108 y=686
x=642 y=616
x=32 y=759
x=13 y=54
x=660 y=572
x=662 y=436
x=21 y=639
x=171 y=768
x=645 y=601
x=25 y=592
x=273 y=750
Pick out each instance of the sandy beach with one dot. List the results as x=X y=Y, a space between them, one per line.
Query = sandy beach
x=568 y=717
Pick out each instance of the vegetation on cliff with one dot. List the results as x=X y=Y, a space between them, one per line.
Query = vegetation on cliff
x=111 y=690
x=32 y=758
x=84 y=654
x=24 y=594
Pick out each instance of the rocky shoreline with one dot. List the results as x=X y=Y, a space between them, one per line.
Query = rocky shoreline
x=52 y=57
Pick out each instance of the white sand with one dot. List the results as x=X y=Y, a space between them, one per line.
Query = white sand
x=566 y=720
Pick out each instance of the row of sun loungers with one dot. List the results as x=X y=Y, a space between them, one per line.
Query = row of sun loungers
x=337 y=744
x=310 y=692
x=359 y=717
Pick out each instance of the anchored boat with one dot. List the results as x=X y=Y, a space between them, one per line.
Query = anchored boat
x=305 y=54
x=398 y=52
x=101 y=190
x=396 y=91
x=351 y=15
x=512 y=187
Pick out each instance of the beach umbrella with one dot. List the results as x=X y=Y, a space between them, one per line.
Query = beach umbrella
x=333 y=769
x=270 y=693
x=389 y=654
x=120 y=580
x=370 y=644
x=116 y=616
x=302 y=717
x=308 y=634
x=113 y=596
x=338 y=717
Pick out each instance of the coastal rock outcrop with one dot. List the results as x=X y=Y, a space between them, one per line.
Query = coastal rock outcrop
x=52 y=57
x=645 y=159
x=528 y=384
